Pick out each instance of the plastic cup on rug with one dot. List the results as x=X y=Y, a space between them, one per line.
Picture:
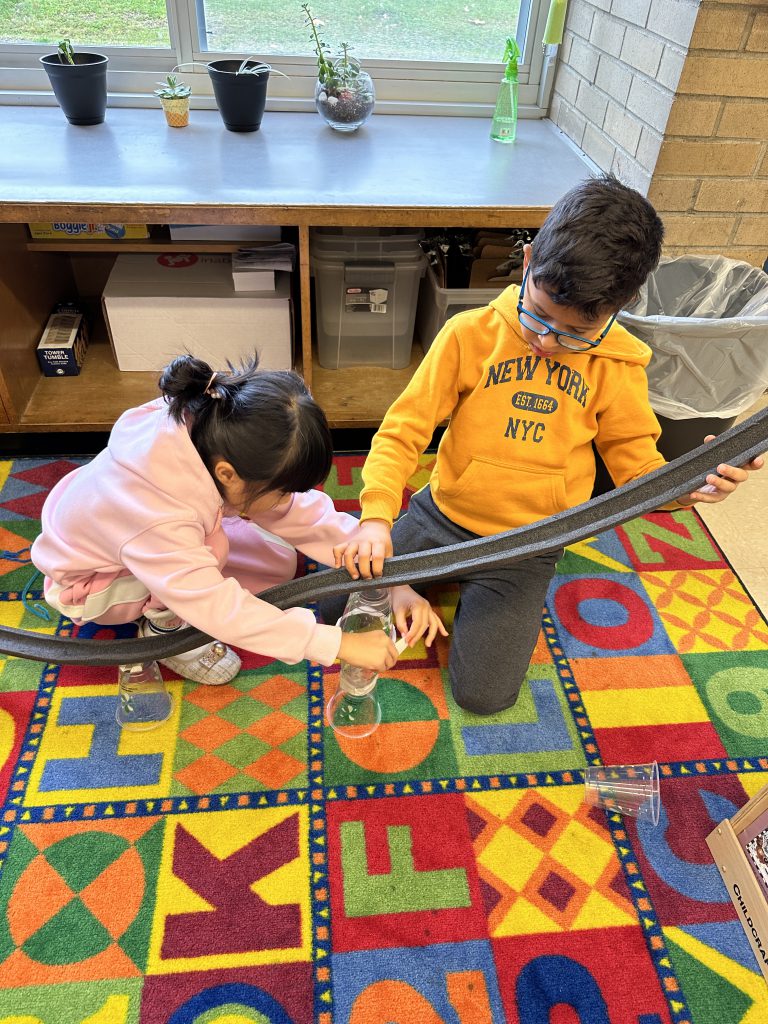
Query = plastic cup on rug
x=353 y=715
x=143 y=701
x=631 y=789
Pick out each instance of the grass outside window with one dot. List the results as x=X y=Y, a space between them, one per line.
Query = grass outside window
x=465 y=31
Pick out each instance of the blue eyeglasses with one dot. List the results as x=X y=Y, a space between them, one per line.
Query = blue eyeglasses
x=574 y=342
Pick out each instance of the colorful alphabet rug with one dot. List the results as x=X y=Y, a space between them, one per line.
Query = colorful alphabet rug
x=241 y=864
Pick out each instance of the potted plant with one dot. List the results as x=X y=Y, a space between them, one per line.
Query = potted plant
x=240 y=88
x=174 y=96
x=79 y=82
x=344 y=93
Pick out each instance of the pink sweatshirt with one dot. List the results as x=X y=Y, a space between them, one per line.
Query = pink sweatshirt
x=148 y=507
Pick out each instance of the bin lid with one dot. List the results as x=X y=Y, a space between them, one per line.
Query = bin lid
x=414 y=258
x=343 y=244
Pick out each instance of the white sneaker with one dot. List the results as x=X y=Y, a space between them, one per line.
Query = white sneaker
x=212 y=664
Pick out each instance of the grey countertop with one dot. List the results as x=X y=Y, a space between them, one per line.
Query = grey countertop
x=398 y=163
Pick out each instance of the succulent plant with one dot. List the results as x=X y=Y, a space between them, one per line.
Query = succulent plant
x=335 y=73
x=65 y=51
x=172 y=89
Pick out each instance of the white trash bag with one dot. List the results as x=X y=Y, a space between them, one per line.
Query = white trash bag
x=706 y=319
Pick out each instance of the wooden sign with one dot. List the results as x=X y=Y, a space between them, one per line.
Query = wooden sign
x=739 y=847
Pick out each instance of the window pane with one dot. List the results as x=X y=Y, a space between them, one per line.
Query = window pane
x=95 y=23
x=441 y=30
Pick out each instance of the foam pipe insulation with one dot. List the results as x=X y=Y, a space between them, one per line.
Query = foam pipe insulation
x=736 y=446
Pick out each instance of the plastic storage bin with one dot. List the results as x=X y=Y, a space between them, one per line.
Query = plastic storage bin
x=436 y=305
x=366 y=290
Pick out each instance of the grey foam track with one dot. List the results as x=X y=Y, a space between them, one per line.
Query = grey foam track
x=736 y=446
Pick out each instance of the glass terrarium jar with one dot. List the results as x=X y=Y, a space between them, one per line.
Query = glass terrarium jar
x=345 y=105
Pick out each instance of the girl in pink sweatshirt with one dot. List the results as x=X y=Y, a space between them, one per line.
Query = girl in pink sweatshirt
x=201 y=500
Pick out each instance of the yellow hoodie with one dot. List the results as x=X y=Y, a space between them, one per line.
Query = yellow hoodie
x=518 y=446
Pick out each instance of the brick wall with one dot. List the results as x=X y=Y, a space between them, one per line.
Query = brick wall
x=672 y=96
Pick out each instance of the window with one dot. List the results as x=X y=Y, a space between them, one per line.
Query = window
x=134 y=23
x=438 y=57
x=469 y=31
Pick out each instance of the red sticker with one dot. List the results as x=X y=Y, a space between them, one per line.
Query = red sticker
x=177 y=259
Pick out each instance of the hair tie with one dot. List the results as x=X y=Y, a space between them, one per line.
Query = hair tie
x=209 y=385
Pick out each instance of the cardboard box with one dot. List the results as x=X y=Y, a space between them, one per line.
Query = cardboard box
x=72 y=230
x=739 y=847
x=485 y=274
x=160 y=306
x=225 y=232
x=61 y=349
x=250 y=278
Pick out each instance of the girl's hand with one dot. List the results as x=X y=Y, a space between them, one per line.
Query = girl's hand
x=722 y=482
x=406 y=603
x=374 y=650
x=364 y=554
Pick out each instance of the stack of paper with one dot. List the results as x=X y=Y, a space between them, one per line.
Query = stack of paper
x=254 y=269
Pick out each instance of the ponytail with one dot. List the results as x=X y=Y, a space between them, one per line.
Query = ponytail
x=264 y=423
x=189 y=385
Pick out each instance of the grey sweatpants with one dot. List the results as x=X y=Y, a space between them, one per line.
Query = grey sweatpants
x=498 y=616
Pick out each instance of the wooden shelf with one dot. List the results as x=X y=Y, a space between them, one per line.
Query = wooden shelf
x=353 y=397
x=72 y=246
x=358 y=396
x=159 y=241
x=91 y=401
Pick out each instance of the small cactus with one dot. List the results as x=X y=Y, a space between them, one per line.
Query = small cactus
x=172 y=89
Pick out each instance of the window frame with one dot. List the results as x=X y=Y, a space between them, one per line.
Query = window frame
x=402 y=87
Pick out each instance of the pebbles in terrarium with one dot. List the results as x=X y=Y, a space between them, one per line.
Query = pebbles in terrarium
x=350 y=106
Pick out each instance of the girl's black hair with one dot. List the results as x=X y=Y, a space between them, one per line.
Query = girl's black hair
x=264 y=423
x=597 y=246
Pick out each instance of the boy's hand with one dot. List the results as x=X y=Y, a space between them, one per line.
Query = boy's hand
x=406 y=603
x=374 y=650
x=722 y=482
x=364 y=554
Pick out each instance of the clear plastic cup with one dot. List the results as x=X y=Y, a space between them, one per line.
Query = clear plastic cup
x=352 y=715
x=143 y=701
x=630 y=789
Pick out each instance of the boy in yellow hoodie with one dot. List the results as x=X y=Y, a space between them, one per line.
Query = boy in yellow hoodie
x=528 y=383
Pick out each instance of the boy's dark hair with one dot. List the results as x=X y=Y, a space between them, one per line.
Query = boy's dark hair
x=597 y=246
x=264 y=423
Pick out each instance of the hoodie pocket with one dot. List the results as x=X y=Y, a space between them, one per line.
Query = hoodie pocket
x=506 y=494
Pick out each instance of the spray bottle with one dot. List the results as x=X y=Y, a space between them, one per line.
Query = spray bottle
x=504 y=124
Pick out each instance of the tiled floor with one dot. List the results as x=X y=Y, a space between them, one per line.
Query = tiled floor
x=740 y=526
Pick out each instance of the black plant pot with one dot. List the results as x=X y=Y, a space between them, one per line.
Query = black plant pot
x=80 y=88
x=240 y=98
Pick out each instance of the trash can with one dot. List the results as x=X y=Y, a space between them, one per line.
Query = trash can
x=706 y=320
